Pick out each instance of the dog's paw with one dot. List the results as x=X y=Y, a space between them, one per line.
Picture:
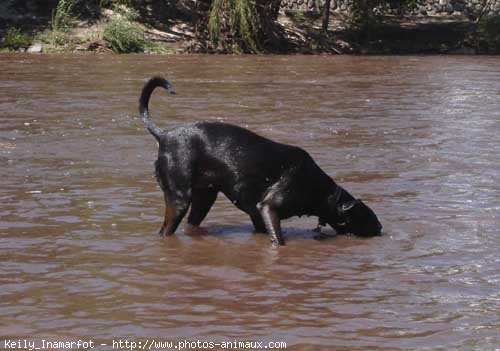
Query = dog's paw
x=190 y=229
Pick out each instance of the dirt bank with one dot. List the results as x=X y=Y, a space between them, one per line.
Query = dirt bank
x=296 y=32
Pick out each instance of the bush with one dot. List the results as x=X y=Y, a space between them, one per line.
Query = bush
x=62 y=17
x=489 y=33
x=53 y=38
x=239 y=19
x=123 y=37
x=14 y=39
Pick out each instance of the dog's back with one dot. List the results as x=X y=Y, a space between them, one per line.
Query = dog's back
x=227 y=156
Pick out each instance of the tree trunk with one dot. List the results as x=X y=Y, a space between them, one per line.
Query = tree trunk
x=326 y=16
x=276 y=5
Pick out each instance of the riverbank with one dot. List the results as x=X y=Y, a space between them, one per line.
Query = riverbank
x=122 y=30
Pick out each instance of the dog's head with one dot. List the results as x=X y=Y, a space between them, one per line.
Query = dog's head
x=354 y=217
x=358 y=219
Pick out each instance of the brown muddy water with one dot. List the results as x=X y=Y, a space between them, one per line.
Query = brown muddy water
x=416 y=137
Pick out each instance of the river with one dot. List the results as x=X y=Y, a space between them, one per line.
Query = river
x=417 y=138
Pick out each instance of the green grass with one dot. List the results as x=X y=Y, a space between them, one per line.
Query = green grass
x=156 y=48
x=242 y=20
x=14 y=40
x=57 y=38
x=53 y=38
x=56 y=41
x=62 y=17
x=121 y=33
x=124 y=37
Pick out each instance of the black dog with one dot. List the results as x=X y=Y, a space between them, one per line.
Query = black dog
x=267 y=180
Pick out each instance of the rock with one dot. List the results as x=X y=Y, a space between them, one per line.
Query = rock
x=96 y=45
x=35 y=48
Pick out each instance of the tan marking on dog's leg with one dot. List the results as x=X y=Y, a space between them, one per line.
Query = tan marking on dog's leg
x=272 y=223
x=170 y=215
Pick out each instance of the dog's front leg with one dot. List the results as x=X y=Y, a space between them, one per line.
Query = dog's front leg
x=258 y=223
x=272 y=222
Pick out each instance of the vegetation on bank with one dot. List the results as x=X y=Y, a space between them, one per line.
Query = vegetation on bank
x=239 y=18
x=123 y=35
x=117 y=28
x=229 y=26
x=489 y=34
x=14 y=39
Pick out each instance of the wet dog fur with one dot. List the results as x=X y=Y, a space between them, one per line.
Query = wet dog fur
x=267 y=180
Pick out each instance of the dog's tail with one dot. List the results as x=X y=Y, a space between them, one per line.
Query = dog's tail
x=144 y=103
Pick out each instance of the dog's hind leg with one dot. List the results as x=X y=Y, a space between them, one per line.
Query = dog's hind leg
x=202 y=201
x=176 y=202
x=170 y=213
x=174 y=213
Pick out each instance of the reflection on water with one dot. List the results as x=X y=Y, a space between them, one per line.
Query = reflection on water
x=416 y=137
